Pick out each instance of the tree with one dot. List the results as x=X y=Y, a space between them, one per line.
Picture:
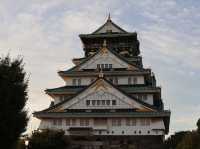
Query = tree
x=49 y=139
x=190 y=141
x=174 y=140
x=13 y=97
x=198 y=126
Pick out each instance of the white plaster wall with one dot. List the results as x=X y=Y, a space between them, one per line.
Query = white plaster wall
x=77 y=101
x=105 y=58
x=113 y=130
x=122 y=80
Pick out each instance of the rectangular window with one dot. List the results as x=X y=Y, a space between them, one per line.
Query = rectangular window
x=59 y=122
x=142 y=122
x=102 y=66
x=133 y=122
x=54 y=122
x=116 y=122
x=87 y=102
x=98 y=66
x=81 y=122
x=87 y=122
x=110 y=66
x=113 y=102
x=93 y=102
x=74 y=82
x=108 y=102
x=106 y=66
x=73 y=122
x=135 y=80
x=79 y=81
x=98 y=102
x=84 y=122
x=67 y=122
x=148 y=122
x=103 y=102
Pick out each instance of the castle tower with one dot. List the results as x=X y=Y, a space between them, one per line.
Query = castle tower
x=109 y=100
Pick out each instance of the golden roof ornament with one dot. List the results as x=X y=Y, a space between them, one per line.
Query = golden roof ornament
x=101 y=74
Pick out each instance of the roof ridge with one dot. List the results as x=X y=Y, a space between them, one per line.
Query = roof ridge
x=98 y=79
x=112 y=51
x=106 y=23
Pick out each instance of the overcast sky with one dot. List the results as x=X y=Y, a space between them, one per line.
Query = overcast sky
x=45 y=33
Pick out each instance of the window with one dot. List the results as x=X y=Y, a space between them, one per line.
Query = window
x=106 y=66
x=145 y=122
x=67 y=122
x=108 y=102
x=93 y=102
x=98 y=66
x=54 y=122
x=76 y=82
x=84 y=122
x=113 y=102
x=73 y=122
x=102 y=66
x=87 y=102
x=129 y=80
x=130 y=122
x=134 y=80
x=57 y=122
x=116 y=122
x=103 y=102
x=98 y=102
x=79 y=81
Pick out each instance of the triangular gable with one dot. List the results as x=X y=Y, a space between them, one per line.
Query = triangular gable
x=109 y=27
x=105 y=56
x=102 y=90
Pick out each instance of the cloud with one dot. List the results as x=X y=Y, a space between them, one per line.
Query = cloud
x=46 y=32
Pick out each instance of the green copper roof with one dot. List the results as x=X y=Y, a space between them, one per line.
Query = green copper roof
x=164 y=113
x=125 y=88
x=114 y=72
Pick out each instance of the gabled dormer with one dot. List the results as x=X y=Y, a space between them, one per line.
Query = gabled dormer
x=123 y=42
x=109 y=27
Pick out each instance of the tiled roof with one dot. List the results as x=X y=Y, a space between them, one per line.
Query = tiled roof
x=125 y=88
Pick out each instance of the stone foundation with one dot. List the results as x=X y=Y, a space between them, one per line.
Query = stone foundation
x=117 y=142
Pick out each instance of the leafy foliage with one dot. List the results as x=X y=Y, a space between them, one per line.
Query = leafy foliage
x=13 y=97
x=174 y=140
x=198 y=126
x=190 y=141
x=48 y=139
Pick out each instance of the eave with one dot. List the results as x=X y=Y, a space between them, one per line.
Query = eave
x=158 y=114
x=94 y=73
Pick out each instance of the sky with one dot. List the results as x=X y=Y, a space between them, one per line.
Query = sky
x=45 y=33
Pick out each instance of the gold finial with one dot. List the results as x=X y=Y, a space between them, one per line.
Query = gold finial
x=101 y=74
x=104 y=43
